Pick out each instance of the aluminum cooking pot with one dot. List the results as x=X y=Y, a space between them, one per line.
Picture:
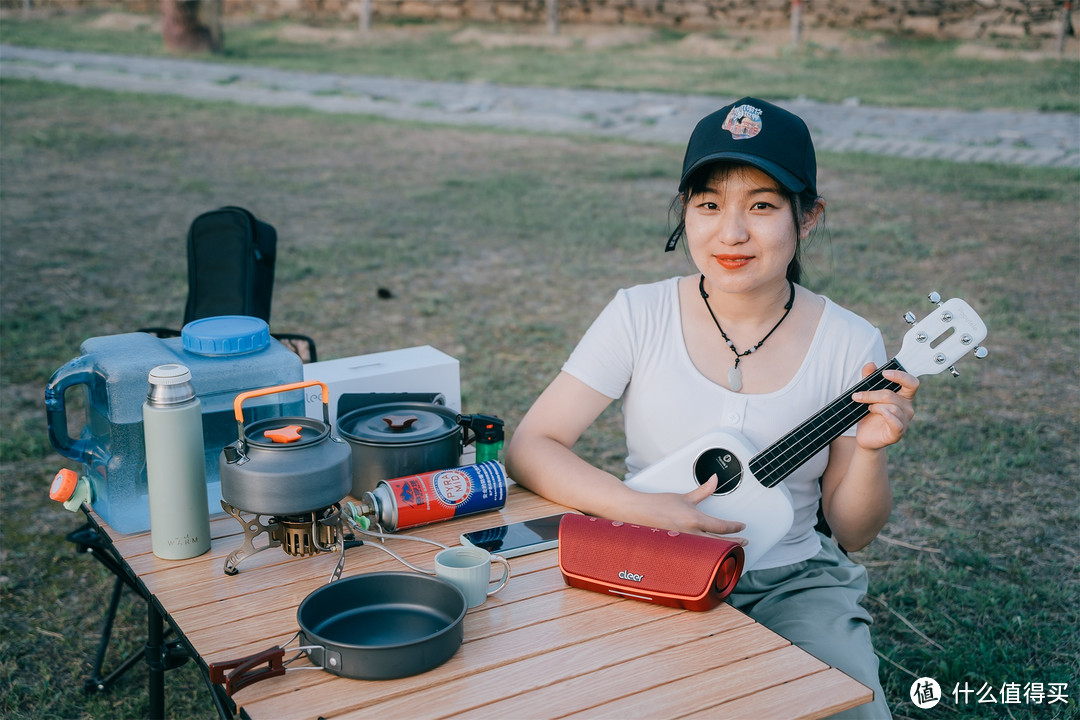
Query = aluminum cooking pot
x=374 y=626
x=393 y=440
x=286 y=465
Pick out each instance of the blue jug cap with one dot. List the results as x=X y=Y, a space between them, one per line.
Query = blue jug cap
x=225 y=335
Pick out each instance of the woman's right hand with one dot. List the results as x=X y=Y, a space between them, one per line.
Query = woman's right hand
x=540 y=457
x=679 y=511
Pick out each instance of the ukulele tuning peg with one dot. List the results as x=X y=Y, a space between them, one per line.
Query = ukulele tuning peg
x=909 y=318
x=981 y=352
x=954 y=372
x=934 y=297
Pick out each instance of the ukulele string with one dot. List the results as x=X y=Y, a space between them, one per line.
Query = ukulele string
x=842 y=413
x=783 y=461
x=786 y=457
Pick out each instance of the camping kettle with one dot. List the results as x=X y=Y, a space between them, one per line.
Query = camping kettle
x=286 y=465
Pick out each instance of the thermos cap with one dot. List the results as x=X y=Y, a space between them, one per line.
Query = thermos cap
x=170 y=385
x=171 y=374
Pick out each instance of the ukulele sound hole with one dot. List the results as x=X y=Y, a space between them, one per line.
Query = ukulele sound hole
x=723 y=464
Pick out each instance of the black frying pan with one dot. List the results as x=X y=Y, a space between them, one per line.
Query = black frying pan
x=375 y=626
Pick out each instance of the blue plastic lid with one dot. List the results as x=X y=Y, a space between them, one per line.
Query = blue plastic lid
x=225 y=335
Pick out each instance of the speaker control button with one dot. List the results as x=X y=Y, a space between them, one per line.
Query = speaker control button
x=673 y=533
x=616 y=523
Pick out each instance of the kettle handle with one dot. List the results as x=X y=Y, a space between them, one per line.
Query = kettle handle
x=238 y=411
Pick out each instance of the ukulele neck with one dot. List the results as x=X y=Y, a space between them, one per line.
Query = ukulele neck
x=776 y=462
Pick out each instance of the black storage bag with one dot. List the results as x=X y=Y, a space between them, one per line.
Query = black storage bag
x=231 y=257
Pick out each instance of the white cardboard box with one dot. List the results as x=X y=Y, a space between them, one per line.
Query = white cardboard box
x=414 y=370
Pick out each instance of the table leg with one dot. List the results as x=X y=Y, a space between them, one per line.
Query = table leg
x=155 y=660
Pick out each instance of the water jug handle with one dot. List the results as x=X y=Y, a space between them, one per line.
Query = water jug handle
x=74 y=373
x=238 y=411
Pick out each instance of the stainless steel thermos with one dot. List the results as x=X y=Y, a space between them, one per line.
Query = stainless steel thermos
x=175 y=467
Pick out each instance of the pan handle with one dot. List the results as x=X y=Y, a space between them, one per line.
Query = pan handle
x=244 y=672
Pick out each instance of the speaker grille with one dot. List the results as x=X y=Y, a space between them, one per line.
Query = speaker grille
x=653 y=563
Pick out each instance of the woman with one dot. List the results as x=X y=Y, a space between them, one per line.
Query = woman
x=740 y=345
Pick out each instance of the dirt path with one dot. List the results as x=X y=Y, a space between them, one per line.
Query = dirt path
x=1007 y=137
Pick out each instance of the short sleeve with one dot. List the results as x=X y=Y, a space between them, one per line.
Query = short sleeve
x=604 y=357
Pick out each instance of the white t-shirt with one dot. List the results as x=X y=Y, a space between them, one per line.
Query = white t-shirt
x=635 y=350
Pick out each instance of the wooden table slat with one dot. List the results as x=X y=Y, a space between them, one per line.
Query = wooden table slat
x=814 y=696
x=643 y=673
x=531 y=678
x=701 y=684
x=494 y=651
x=216 y=611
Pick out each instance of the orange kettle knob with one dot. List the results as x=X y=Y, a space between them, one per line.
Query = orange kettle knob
x=283 y=435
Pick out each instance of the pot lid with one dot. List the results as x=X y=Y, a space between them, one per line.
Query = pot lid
x=398 y=424
x=285 y=432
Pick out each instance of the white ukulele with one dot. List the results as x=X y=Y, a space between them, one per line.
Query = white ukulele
x=750 y=489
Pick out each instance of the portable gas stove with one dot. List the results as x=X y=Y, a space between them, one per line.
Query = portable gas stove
x=289 y=476
x=298 y=535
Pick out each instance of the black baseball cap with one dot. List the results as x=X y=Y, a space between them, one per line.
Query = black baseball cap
x=757 y=133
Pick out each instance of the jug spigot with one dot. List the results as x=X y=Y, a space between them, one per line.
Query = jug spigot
x=73 y=491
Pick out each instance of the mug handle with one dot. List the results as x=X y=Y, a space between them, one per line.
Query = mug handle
x=506 y=573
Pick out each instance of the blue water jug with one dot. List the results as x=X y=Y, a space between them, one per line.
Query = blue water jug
x=227 y=355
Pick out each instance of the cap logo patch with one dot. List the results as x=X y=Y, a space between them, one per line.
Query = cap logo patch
x=743 y=122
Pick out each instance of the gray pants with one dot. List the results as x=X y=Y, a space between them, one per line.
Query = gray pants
x=815 y=605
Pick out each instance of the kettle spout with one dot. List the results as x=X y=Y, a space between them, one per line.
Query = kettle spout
x=234 y=455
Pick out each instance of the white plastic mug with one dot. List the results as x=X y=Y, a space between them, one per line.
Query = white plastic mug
x=469 y=568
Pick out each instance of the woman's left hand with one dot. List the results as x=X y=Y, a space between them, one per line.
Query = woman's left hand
x=890 y=411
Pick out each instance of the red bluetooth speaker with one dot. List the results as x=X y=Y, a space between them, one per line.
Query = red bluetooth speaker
x=659 y=566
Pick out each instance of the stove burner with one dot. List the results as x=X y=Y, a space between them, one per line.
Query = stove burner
x=300 y=535
x=304 y=535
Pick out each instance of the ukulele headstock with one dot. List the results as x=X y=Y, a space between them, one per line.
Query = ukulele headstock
x=939 y=340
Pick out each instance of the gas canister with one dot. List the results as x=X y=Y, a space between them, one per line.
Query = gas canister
x=435 y=496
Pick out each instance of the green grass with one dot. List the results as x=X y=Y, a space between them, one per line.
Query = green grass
x=876 y=69
x=500 y=248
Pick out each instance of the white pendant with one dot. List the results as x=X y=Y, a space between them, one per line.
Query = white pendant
x=734 y=379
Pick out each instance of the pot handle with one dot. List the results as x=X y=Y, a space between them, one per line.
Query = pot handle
x=238 y=411
x=399 y=423
x=244 y=670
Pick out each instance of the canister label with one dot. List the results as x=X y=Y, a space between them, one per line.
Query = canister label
x=444 y=494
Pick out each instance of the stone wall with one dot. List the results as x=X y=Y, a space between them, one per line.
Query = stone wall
x=964 y=19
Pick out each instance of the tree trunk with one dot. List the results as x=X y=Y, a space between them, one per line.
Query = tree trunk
x=796 y=22
x=365 y=17
x=192 y=25
x=1066 y=27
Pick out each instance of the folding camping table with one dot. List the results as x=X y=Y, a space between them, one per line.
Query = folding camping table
x=536 y=649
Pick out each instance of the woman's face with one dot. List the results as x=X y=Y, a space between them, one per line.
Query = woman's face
x=741 y=230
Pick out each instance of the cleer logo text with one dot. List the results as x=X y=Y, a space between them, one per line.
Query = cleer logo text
x=627 y=575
